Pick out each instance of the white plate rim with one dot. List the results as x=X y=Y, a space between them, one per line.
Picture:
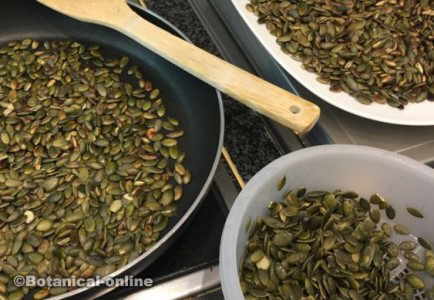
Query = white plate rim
x=420 y=114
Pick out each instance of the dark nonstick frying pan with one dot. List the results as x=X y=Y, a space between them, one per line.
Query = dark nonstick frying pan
x=197 y=105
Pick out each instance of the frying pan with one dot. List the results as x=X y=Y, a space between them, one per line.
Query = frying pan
x=184 y=96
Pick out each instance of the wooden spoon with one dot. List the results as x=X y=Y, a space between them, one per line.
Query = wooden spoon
x=276 y=103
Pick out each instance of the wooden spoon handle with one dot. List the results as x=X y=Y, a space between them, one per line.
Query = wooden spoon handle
x=276 y=103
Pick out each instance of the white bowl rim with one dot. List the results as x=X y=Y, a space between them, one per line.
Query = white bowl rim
x=228 y=271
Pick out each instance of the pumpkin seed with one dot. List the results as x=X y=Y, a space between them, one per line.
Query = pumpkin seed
x=415 y=281
x=414 y=212
x=401 y=229
x=407 y=245
x=424 y=243
x=16 y=295
x=390 y=212
x=281 y=183
x=429 y=265
x=415 y=266
x=375 y=215
x=44 y=225
x=116 y=206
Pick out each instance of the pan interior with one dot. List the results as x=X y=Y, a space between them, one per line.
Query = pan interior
x=189 y=100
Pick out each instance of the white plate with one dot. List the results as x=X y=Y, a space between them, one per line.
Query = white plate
x=420 y=114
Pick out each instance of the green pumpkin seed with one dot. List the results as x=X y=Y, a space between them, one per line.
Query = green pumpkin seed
x=282 y=239
x=393 y=264
x=41 y=294
x=424 y=243
x=415 y=281
x=50 y=184
x=414 y=212
x=429 y=265
x=401 y=229
x=178 y=192
x=390 y=212
x=415 y=266
x=407 y=245
x=167 y=198
x=13 y=183
x=365 y=204
x=17 y=295
x=375 y=215
x=5 y=138
x=281 y=183
x=257 y=256
x=116 y=206
x=35 y=258
x=411 y=256
x=44 y=225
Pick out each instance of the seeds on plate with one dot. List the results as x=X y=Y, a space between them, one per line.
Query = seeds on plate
x=360 y=47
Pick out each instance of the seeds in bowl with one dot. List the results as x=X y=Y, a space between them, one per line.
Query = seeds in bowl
x=376 y=51
x=91 y=165
x=331 y=245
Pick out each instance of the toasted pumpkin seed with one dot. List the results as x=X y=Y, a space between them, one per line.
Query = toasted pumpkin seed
x=424 y=243
x=281 y=183
x=401 y=229
x=414 y=212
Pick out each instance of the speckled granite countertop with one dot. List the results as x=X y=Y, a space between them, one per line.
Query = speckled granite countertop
x=246 y=138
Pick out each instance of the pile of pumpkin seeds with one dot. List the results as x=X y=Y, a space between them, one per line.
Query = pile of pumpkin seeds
x=333 y=245
x=90 y=165
x=375 y=50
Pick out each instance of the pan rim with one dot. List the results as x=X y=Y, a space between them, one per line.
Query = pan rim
x=197 y=200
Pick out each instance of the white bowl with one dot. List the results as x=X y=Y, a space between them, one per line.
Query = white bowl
x=402 y=181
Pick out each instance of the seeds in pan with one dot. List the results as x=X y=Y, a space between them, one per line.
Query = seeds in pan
x=87 y=163
x=304 y=254
x=359 y=47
